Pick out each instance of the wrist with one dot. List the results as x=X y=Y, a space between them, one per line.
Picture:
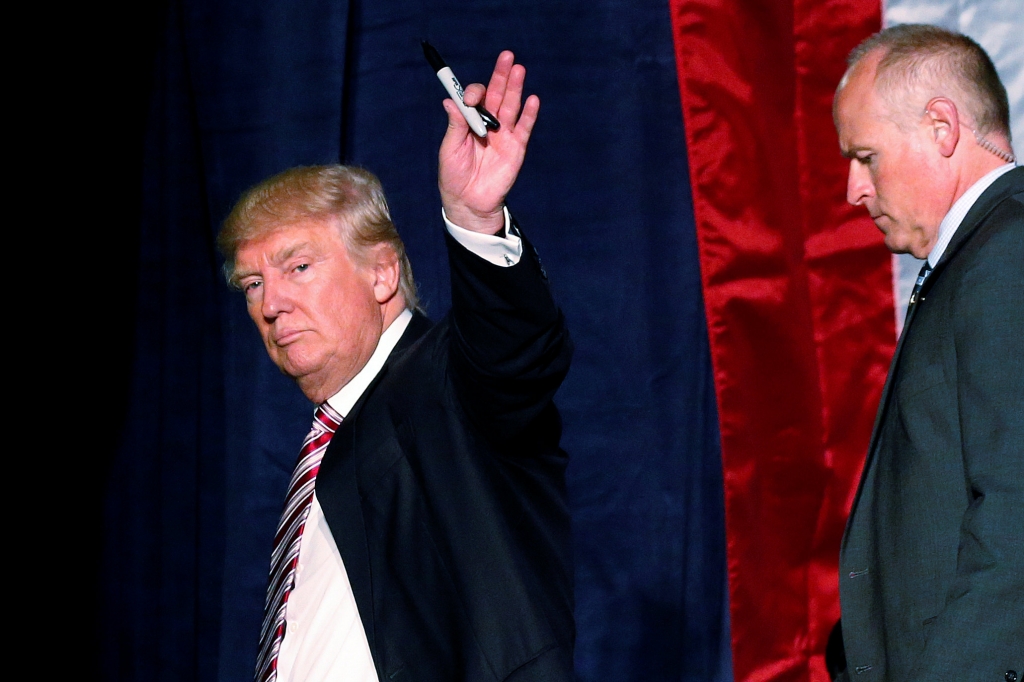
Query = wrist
x=491 y=222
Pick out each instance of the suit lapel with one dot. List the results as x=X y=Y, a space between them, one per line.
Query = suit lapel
x=338 y=493
x=337 y=487
x=879 y=414
x=887 y=387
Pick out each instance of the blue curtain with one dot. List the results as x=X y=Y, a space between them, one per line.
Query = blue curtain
x=243 y=89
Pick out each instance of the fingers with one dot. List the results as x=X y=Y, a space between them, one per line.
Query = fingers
x=473 y=94
x=504 y=93
x=503 y=97
x=525 y=126
x=508 y=112
x=499 y=81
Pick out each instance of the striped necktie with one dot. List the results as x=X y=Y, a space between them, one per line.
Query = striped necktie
x=285 y=556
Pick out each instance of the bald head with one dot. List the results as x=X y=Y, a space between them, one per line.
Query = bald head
x=917 y=63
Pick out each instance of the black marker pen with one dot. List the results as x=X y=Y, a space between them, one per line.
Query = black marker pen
x=478 y=118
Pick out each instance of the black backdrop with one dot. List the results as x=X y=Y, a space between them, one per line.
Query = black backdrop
x=206 y=98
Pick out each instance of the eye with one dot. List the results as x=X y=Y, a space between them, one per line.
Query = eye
x=301 y=267
x=866 y=159
x=250 y=288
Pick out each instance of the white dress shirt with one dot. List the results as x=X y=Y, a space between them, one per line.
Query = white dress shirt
x=957 y=213
x=324 y=637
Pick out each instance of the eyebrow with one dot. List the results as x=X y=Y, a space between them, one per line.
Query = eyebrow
x=853 y=151
x=275 y=260
x=289 y=252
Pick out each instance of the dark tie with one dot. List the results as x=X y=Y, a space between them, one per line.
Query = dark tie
x=921 y=277
x=285 y=556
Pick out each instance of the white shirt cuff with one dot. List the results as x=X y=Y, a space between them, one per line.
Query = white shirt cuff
x=504 y=251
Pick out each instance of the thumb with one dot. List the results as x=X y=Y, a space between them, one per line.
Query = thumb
x=454 y=137
x=457 y=125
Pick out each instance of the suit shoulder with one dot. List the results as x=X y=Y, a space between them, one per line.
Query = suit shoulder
x=1018 y=198
x=426 y=352
x=998 y=242
x=986 y=276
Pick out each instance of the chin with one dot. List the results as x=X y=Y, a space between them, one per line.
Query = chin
x=915 y=249
x=896 y=246
x=295 y=367
x=898 y=243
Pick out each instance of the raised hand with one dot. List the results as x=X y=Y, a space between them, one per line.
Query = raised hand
x=475 y=174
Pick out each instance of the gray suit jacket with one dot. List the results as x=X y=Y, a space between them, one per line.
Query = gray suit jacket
x=931 y=572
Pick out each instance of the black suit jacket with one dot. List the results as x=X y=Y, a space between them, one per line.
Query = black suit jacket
x=932 y=562
x=444 y=488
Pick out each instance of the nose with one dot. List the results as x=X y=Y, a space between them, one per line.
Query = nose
x=858 y=184
x=275 y=299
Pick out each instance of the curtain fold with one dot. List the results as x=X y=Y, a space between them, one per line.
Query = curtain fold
x=799 y=309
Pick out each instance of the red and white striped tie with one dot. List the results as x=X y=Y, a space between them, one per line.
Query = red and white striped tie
x=285 y=556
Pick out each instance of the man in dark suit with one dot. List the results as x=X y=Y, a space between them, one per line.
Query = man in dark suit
x=931 y=577
x=426 y=533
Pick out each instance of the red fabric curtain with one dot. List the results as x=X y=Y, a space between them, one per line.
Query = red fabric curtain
x=798 y=297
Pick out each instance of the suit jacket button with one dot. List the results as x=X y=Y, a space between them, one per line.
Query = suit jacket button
x=1011 y=676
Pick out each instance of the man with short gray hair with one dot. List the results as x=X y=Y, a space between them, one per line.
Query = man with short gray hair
x=931 y=577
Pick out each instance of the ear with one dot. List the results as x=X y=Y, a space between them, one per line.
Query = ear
x=387 y=272
x=944 y=121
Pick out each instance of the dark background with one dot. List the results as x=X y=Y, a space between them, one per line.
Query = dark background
x=189 y=432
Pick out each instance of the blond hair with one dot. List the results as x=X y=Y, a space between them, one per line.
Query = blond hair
x=350 y=197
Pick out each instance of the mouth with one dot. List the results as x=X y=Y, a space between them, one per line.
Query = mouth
x=287 y=336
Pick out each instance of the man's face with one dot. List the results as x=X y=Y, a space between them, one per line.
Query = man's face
x=894 y=173
x=317 y=311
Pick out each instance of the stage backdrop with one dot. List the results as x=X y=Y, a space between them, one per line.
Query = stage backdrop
x=733 y=318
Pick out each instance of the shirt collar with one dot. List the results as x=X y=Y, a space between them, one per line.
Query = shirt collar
x=956 y=215
x=343 y=400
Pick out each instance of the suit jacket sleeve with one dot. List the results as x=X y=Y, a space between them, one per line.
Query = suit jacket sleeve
x=981 y=627
x=510 y=349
